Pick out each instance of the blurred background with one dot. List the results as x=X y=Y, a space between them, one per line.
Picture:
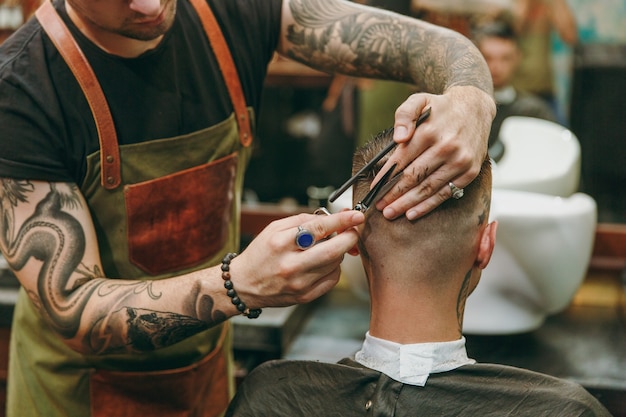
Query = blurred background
x=573 y=62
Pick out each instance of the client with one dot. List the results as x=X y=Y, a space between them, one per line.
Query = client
x=413 y=361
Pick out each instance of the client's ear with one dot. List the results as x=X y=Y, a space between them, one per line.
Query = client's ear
x=487 y=242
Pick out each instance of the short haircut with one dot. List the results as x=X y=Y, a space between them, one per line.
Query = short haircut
x=446 y=231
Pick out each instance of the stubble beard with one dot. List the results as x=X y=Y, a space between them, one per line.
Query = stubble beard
x=134 y=31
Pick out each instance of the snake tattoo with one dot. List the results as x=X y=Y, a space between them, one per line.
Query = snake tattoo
x=56 y=239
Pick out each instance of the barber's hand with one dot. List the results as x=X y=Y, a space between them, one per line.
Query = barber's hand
x=274 y=272
x=449 y=146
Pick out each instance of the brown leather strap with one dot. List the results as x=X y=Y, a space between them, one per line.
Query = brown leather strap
x=75 y=59
x=227 y=66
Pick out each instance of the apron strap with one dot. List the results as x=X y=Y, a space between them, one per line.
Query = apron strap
x=65 y=43
x=228 y=68
x=75 y=59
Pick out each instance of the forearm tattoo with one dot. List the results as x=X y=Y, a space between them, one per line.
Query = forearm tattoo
x=68 y=292
x=337 y=36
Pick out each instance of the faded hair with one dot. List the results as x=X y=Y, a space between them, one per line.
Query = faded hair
x=434 y=242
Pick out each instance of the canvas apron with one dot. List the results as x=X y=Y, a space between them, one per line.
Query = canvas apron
x=162 y=208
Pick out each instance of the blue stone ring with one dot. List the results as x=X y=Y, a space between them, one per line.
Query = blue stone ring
x=304 y=238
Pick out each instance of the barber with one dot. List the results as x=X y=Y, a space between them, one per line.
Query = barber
x=127 y=126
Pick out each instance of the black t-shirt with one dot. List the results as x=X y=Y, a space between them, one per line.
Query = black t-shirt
x=46 y=126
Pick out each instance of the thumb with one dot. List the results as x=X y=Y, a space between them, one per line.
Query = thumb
x=406 y=115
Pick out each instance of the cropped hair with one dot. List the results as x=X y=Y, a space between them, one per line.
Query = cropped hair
x=445 y=231
x=366 y=153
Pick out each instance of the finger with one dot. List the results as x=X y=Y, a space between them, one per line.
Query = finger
x=323 y=226
x=288 y=222
x=406 y=115
x=336 y=247
x=427 y=195
x=405 y=153
x=428 y=174
x=421 y=180
x=405 y=197
x=313 y=286
x=328 y=252
x=429 y=204
x=306 y=269
x=322 y=285
x=444 y=193
x=416 y=181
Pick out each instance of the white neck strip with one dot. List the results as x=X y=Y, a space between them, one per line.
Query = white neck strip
x=412 y=364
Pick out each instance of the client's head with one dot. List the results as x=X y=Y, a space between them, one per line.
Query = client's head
x=440 y=254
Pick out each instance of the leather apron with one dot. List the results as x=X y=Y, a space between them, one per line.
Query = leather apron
x=161 y=208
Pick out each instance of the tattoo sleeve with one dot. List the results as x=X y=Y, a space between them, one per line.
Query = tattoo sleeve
x=344 y=37
x=105 y=315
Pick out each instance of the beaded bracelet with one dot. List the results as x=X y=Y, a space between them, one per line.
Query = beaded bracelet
x=230 y=289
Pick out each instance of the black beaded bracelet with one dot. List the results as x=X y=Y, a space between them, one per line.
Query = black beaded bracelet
x=230 y=289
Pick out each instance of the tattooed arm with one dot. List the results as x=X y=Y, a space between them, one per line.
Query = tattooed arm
x=48 y=239
x=341 y=36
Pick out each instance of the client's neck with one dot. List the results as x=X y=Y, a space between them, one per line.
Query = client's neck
x=415 y=313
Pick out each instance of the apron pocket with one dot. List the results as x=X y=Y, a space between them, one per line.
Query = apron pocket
x=197 y=390
x=180 y=220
